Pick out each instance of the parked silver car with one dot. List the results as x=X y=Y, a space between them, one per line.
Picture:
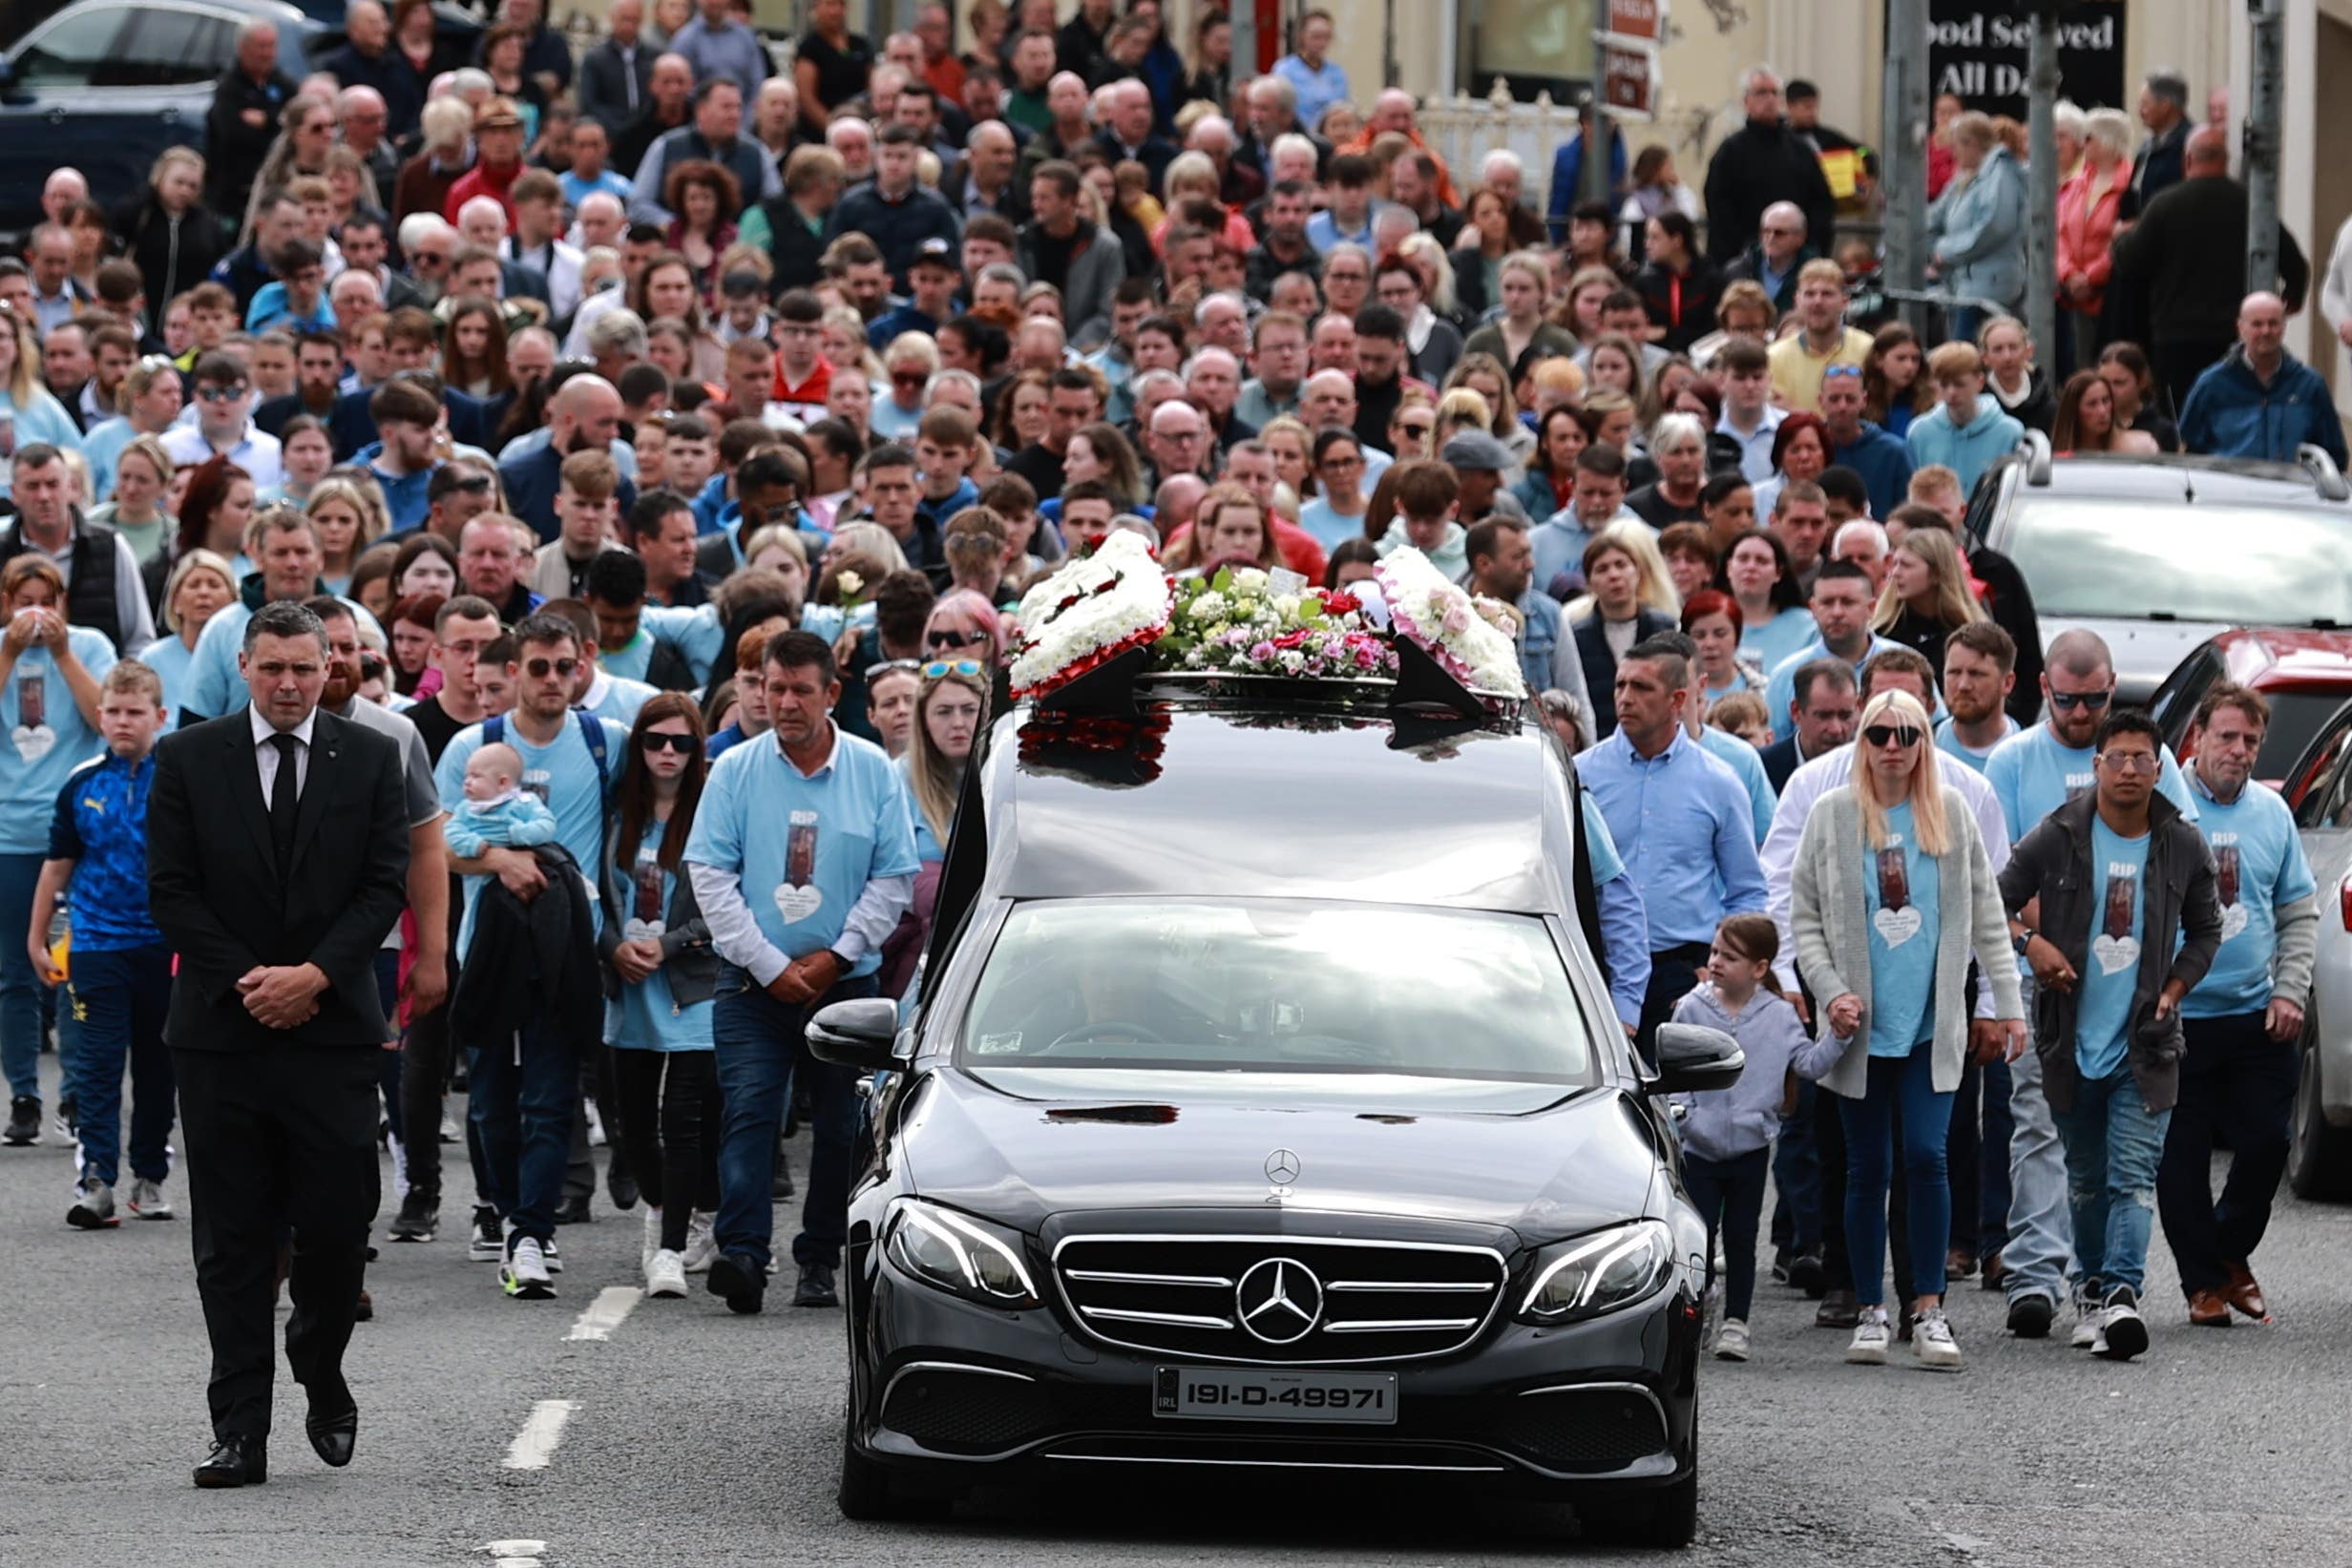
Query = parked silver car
x=2319 y=788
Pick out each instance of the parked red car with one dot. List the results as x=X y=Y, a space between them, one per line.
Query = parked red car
x=2305 y=675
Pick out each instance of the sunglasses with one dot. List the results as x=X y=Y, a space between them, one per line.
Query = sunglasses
x=538 y=669
x=1417 y=427
x=1836 y=370
x=664 y=741
x=2132 y=761
x=944 y=638
x=938 y=668
x=222 y=395
x=1888 y=735
x=2069 y=702
x=892 y=666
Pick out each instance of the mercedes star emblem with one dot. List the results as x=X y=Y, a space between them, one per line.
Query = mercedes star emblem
x=1279 y=1299
x=1281 y=1167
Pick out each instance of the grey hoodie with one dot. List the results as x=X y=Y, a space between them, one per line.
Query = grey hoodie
x=1725 y=1124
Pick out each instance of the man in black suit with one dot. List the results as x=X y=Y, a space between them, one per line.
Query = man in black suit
x=278 y=849
x=615 y=77
x=1824 y=709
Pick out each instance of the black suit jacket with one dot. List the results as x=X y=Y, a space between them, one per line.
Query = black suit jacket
x=213 y=887
x=1781 y=760
x=604 y=84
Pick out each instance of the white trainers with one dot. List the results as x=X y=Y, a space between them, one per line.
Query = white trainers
x=1932 y=1345
x=1732 y=1341
x=652 y=1244
x=665 y=1274
x=147 y=1201
x=702 y=1240
x=2123 y=1333
x=1872 y=1334
x=525 y=1274
x=2088 y=1311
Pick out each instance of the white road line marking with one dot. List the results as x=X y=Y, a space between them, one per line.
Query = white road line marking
x=604 y=1314
x=516 y=1549
x=535 y=1446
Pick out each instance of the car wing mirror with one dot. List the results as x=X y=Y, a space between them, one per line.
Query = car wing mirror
x=860 y=1034
x=1692 y=1058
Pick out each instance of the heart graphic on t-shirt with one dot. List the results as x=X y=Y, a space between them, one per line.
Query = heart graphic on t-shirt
x=33 y=743
x=641 y=930
x=2115 y=953
x=798 y=901
x=1895 y=927
x=2232 y=921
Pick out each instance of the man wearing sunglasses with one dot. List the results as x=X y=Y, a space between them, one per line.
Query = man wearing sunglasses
x=2033 y=774
x=2114 y=907
x=224 y=424
x=525 y=1089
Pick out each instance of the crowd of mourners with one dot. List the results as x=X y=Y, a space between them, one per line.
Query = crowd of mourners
x=662 y=431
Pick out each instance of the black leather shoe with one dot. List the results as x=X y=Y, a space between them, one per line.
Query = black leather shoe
x=235 y=1461
x=737 y=1279
x=815 y=1287
x=334 y=1436
x=573 y=1211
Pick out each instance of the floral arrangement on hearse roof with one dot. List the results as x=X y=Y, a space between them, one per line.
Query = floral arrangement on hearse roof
x=1248 y=621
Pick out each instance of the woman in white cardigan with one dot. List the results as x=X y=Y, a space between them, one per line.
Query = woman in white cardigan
x=1890 y=890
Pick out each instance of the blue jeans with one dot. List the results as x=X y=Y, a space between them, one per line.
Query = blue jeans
x=2040 y=1243
x=521 y=1096
x=1907 y=1082
x=2114 y=1143
x=1796 y=1178
x=1730 y=1194
x=21 y=991
x=761 y=1042
x=119 y=999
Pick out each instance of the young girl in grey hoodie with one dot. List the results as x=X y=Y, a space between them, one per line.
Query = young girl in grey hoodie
x=1727 y=1134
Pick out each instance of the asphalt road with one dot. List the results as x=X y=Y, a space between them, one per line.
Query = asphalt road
x=687 y=1436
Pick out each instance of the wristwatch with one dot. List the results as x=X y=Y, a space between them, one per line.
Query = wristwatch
x=2024 y=938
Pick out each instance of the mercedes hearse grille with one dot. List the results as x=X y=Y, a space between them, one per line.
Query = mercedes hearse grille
x=1280 y=1299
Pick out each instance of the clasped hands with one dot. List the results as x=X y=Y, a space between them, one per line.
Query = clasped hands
x=282 y=995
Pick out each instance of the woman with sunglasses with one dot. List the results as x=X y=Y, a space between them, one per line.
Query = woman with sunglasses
x=964 y=625
x=657 y=1009
x=1891 y=891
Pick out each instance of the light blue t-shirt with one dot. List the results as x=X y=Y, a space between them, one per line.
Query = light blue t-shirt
x=2259 y=864
x=697 y=634
x=620 y=699
x=48 y=739
x=927 y=846
x=1950 y=745
x=1780 y=687
x=1608 y=865
x=169 y=657
x=647 y=1018
x=1770 y=641
x=2111 y=965
x=1330 y=529
x=213 y=685
x=803 y=849
x=1743 y=759
x=562 y=775
x=1901 y=888
x=2033 y=775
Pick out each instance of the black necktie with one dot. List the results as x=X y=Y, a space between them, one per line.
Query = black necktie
x=282 y=794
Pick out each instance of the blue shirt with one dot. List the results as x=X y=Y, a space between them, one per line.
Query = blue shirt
x=1771 y=641
x=1781 y=688
x=647 y=1018
x=576 y=190
x=803 y=849
x=1318 y=88
x=269 y=309
x=696 y=633
x=100 y=823
x=213 y=685
x=2032 y=775
x=1900 y=890
x=1742 y=758
x=2111 y=965
x=2258 y=864
x=1328 y=526
x=1950 y=746
x=562 y=775
x=620 y=697
x=1625 y=925
x=1687 y=830
x=48 y=739
x=169 y=657
x=1559 y=542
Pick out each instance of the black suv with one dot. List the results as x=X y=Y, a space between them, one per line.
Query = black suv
x=1265 y=1106
x=2158 y=553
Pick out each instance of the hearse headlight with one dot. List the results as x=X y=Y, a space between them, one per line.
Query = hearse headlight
x=959 y=1255
x=1599 y=1273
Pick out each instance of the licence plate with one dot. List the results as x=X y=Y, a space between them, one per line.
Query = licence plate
x=1245 y=1393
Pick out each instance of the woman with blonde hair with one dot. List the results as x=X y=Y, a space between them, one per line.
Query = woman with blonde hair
x=1891 y=891
x=142 y=474
x=1654 y=580
x=951 y=709
x=201 y=583
x=2089 y=206
x=1976 y=229
x=1926 y=596
x=347 y=525
x=1522 y=335
x=1229 y=528
x=1292 y=443
x=35 y=413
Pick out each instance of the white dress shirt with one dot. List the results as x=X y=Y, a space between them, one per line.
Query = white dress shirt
x=265 y=755
x=1816 y=779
